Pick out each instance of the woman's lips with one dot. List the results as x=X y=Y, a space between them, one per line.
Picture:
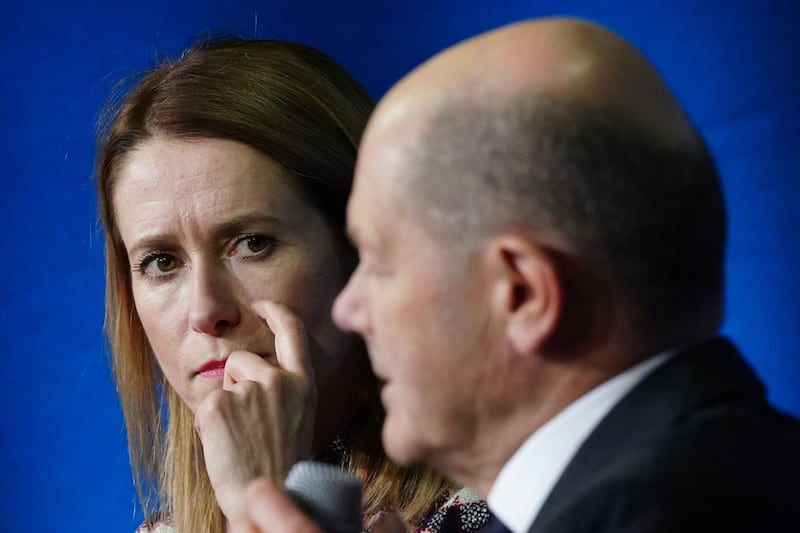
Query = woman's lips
x=213 y=369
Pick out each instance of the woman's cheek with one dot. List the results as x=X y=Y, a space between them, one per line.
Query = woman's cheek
x=161 y=312
x=329 y=345
x=164 y=321
x=308 y=285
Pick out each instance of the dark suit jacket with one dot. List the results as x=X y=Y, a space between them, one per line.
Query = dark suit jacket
x=693 y=447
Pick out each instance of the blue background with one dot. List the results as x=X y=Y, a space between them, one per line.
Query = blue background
x=63 y=461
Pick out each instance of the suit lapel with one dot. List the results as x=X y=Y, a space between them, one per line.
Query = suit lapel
x=704 y=374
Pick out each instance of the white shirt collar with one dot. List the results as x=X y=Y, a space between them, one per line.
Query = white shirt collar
x=528 y=477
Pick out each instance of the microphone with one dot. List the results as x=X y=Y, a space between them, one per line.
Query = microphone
x=330 y=495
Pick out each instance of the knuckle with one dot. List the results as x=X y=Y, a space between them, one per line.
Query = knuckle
x=271 y=379
x=212 y=404
x=236 y=357
x=247 y=387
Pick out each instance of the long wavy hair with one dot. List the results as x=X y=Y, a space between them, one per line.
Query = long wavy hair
x=299 y=107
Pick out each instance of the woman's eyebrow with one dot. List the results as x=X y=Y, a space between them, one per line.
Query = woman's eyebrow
x=246 y=220
x=235 y=224
x=150 y=242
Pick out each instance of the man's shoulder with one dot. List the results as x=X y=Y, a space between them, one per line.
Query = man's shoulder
x=724 y=451
x=723 y=469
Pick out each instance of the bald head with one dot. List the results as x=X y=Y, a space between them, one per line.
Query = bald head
x=560 y=130
x=566 y=59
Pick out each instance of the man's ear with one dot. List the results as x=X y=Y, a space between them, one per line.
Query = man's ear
x=528 y=291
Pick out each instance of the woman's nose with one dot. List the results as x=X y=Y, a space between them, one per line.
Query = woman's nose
x=214 y=308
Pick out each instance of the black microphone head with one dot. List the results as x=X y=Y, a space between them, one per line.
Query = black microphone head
x=329 y=494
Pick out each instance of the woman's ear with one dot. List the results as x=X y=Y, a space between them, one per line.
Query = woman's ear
x=528 y=291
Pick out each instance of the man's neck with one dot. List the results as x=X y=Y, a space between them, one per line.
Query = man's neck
x=497 y=437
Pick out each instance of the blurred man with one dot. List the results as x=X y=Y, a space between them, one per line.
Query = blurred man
x=541 y=233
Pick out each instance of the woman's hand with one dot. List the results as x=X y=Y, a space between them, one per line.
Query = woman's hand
x=262 y=420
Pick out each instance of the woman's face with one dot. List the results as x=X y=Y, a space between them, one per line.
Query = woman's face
x=209 y=226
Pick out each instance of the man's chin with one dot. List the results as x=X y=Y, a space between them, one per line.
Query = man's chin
x=401 y=442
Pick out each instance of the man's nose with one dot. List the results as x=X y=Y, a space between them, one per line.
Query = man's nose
x=349 y=309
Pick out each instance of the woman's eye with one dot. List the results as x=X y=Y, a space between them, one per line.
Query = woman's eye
x=165 y=263
x=252 y=246
x=157 y=264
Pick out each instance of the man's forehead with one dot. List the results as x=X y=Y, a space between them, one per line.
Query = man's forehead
x=383 y=170
x=361 y=207
x=386 y=166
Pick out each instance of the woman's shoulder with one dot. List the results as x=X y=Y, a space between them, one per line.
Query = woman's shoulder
x=464 y=511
